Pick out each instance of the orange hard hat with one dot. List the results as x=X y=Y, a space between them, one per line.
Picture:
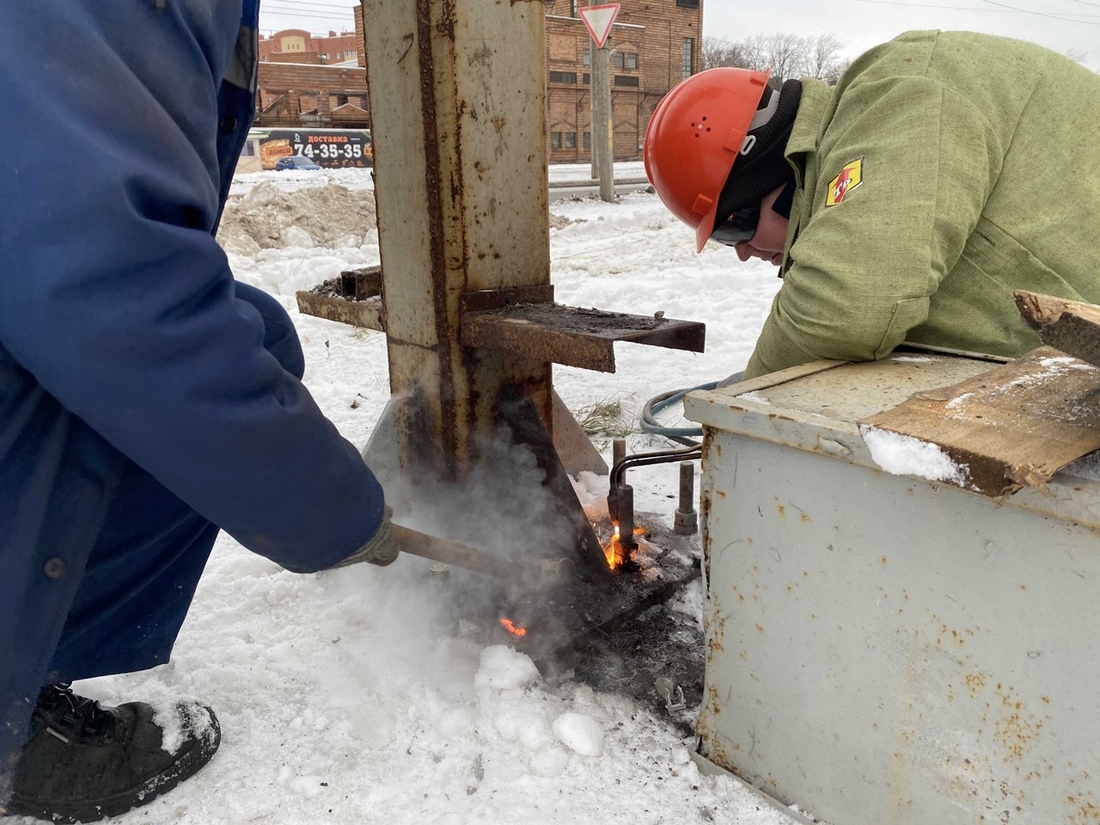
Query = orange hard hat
x=693 y=138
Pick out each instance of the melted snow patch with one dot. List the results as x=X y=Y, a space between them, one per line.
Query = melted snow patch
x=1059 y=362
x=753 y=395
x=913 y=359
x=958 y=402
x=904 y=455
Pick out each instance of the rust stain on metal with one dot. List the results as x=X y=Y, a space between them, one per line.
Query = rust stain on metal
x=368 y=314
x=572 y=336
x=714 y=701
x=975 y=683
x=446 y=25
x=432 y=175
x=1017 y=729
x=1086 y=809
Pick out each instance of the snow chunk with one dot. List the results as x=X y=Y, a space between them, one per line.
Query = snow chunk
x=296 y=236
x=550 y=762
x=904 y=455
x=455 y=722
x=579 y=733
x=503 y=668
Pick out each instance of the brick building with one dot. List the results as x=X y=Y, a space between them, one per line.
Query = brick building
x=656 y=44
x=299 y=46
x=308 y=94
x=313 y=80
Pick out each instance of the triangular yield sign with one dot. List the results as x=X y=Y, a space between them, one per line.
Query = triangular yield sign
x=599 y=20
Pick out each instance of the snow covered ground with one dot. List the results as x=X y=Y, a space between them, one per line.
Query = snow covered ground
x=337 y=701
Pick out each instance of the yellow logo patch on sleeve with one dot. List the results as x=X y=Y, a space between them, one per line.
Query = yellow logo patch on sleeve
x=849 y=178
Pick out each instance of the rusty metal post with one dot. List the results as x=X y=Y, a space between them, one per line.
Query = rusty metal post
x=686 y=520
x=618 y=450
x=457 y=90
x=626 y=522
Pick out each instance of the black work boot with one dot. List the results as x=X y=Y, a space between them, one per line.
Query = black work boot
x=83 y=762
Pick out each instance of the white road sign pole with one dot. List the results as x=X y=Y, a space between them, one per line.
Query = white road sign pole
x=599 y=20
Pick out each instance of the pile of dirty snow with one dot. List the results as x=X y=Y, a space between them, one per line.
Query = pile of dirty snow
x=267 y=217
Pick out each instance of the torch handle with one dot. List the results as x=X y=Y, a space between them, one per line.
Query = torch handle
x=536 y=574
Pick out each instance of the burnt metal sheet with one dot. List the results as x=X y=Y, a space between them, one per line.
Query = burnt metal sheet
x=365 y=313
x=574 y=336
x=355 y=297
x=361 y=283
x=620 y=639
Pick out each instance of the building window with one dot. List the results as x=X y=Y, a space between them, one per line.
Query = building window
x=626 y=80
x=586 y=56
x=587 y=140
x=563 y=77
x=572 y=8
x=689 y=57
x=570 y=140
x=587 y=79
x=555 y=140
x=688 y=4
x=631 y=60
x=350 y=55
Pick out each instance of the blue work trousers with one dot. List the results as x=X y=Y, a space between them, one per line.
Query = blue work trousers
x=143 y=571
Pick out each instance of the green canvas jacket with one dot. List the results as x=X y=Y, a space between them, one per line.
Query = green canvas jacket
x=978 y=174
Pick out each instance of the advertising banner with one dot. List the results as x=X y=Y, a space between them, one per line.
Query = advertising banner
x=331 y=148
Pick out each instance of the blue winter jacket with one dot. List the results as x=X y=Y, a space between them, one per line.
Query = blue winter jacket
x=119 y=333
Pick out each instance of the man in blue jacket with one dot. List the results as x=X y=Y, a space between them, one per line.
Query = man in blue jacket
x=146 y=399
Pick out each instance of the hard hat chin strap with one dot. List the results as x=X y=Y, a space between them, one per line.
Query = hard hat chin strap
x=760 y=167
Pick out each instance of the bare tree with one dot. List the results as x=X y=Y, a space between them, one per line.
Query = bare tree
x=718 y=52
x=784 y=55
x=1077 y=55
x=824 y=59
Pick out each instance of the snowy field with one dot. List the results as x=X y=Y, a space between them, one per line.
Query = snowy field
x=338 y=704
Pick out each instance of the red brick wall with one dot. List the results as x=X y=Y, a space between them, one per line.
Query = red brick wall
x=286 y=90
x=649 y=33
x=652 y=30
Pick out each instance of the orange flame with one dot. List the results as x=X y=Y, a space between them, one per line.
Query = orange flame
x=513 y=628
x=613 y=550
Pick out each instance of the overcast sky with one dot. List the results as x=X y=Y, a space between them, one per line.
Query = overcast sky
x=859 y=24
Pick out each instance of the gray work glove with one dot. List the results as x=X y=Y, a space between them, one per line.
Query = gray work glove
x=730 y=380
x=380 y=550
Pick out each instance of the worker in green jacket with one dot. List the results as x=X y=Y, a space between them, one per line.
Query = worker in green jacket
x=944 y=171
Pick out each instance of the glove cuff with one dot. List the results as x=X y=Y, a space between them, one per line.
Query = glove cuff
x=380 y=550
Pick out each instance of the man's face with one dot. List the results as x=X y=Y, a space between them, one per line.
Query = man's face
x=770 y=238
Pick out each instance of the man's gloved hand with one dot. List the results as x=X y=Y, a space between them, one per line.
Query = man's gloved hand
x=730 y=380
x=380 y=550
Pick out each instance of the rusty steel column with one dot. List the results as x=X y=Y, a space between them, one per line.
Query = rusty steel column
x=457 y=98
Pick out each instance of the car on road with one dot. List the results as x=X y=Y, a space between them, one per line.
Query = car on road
x=294 y=162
